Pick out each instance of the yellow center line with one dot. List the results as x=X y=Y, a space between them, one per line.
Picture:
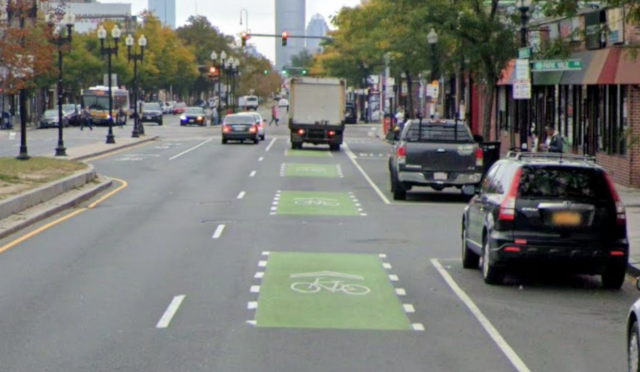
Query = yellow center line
x=51 y=224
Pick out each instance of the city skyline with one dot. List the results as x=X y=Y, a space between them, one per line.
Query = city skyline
x=165 y=10
x=290 y=17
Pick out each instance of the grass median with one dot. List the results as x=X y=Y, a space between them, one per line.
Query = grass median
x=18 y=176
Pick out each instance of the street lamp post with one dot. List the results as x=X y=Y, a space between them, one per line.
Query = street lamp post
x=234 y=69
x=142 y=42
x=220 y=68
x=68 y=20
x=102 y=35
x=522 y=105
x=432 y=39
x=246 y=12
x=227 y=75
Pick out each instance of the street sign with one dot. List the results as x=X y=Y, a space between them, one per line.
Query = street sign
x=524 y=53
x=557 y=65
x=523 y=72
x=433 y=91
x=522 y=89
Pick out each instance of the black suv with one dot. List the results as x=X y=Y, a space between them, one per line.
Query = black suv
x=558 y=210
x=151 y=112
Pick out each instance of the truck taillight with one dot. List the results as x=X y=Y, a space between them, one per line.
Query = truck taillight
x=401 y=154
x=300 y=131
x=479 y=158
x=331 y=133
x=226 y=129
x=507 y=211
x=621 y=213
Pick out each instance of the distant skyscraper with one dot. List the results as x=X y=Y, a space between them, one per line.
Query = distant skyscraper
x=317 y=27
x=165 y=10
x=290 y=17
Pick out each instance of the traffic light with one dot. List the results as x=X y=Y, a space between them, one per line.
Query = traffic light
x=244 y=36
x=284 y=71
x=285 y=37
x=304 y=72
x=266 y=72
x=213 y=70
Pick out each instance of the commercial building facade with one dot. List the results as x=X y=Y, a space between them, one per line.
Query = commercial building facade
x=165 y=10
x=290 y=17
x=317 y=27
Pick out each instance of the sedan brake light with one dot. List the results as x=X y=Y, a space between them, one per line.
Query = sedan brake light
x=253 y=129
x=226 y=129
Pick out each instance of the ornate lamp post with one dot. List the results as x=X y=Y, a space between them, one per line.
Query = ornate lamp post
x=432 y=39
x=138 y=129
x=68 y=20
x=220 y=66
x=102 y=35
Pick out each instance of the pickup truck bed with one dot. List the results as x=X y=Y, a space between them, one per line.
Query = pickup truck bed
x=436 y=154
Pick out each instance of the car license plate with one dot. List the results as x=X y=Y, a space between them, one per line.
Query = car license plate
x=190 y=120
x=240 y=128
x=566 y=218
x=440 y=176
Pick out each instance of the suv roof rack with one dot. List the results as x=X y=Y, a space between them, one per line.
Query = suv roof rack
x=549 y=155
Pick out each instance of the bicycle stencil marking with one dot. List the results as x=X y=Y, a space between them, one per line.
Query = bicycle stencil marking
x=334 y=285
x=320 y=202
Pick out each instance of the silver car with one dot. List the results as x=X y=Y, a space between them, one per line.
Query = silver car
x=259 y=122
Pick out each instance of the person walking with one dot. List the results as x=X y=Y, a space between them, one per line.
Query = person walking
x=274 y=115
x=553 y=141
x=86 y=119
x=121 y=117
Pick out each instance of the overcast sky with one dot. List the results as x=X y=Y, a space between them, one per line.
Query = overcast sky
x=225 y=14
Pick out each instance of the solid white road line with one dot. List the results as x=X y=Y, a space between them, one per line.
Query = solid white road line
x=252 y=174
x=375 y=188
x=191 y=149
x=218 y=233
x=170 y=312
x=242 y=194
x=400 y=292
x=270 y=144
x=408 y=308
x=484 y=322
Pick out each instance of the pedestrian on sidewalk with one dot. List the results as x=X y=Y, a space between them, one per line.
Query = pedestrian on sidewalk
x=274 y=115
x=553 y=141
x=86 y=119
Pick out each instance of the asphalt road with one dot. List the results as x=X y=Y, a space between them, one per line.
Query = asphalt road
x=166 y=274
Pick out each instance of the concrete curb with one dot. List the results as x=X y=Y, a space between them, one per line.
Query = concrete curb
x=114 y=149
x=42 y=194
x=55 y=209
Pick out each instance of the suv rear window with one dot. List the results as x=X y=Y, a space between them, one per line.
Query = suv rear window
x=437 y=132
x=563 y=183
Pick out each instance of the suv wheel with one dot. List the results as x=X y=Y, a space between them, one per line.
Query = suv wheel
x=470 y=260
x=399 y=191
x=633 y=353
x=613 y=276
x=490 y=273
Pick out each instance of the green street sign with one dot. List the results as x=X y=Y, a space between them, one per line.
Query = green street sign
x=524 y=53
x=557 y=65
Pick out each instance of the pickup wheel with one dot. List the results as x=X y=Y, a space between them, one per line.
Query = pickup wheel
x=399 y=191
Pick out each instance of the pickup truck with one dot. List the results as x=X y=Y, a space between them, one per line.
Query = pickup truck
x=436 y=154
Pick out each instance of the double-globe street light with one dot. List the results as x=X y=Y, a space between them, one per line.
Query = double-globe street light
x=138 y=128
x=68 y=20
x=219 y=64
x=102 y=35
x=233 y=69
x=432 y=39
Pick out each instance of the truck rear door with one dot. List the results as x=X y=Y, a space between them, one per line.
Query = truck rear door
x=436 y=147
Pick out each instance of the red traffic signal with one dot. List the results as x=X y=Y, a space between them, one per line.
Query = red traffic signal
x=244 y=36
x=285 y=36
x=213 y=70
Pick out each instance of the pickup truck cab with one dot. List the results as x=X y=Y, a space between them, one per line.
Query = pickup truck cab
x=436 y=154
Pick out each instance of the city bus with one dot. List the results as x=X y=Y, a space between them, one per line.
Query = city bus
x=97 y=99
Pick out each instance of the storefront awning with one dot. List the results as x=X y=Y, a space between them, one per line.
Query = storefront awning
x=628 y=69
x=577 y=77
x=547 y=78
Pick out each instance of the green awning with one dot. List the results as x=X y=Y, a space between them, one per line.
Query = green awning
x=547 y=77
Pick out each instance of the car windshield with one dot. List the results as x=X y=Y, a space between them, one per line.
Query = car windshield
x=563 y=183
x=151 y=107
x=239 y=119
x=51 y=113
x=437 y=132
x=194 y=111
x=257 y=117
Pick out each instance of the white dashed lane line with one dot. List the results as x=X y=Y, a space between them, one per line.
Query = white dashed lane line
x=270 y=144
x=408 y=308
x=252 y=174
x=171 y=311
x=242 y=194
x=218 y=233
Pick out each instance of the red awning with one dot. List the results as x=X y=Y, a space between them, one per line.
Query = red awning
x=628 y=69
x=609 y=68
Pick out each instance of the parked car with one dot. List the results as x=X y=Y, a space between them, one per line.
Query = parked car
x=239 y=127
x=50 y=119
x=179 y=108
x=556 y=210
x=194 y=115
x=72 y=113
x=633 y=335
x=350 y=116
x=151 y=112
x=436 y=154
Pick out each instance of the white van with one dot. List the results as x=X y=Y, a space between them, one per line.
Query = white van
x=251 y=103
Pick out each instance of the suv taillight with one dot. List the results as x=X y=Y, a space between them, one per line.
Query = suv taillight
x=479 y=158
x=507 y=211
x=401 y=154
x=621 y=214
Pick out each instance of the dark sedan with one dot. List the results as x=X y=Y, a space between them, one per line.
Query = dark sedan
x=151 y=112
x=194 y=115
x=240 y=128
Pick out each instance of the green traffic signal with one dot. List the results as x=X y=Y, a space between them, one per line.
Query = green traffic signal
x=284 y=72
x=304 y=72
x=266 y=72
